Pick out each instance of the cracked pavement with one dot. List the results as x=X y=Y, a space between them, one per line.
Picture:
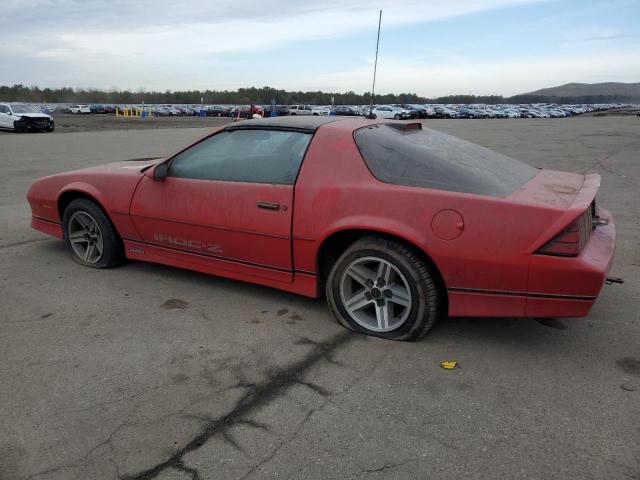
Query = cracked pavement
x=148 y=372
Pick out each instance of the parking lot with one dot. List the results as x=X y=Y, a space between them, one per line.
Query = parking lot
x=147 y=371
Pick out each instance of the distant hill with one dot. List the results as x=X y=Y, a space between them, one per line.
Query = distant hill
x=607 y=89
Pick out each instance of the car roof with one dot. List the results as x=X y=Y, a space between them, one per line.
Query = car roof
x=307 y=124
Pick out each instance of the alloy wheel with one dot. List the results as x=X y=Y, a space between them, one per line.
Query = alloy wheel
x=85 y=237
x=375 y=294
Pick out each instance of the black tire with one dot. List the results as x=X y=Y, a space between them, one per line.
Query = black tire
x=51 y=128
x=21 y=126
x=113 y=248
x=421 y=281
x=396 y=117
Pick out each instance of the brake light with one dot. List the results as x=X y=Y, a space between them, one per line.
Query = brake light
x=571 y=241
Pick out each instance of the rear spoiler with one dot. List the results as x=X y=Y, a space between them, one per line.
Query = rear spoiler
x=580 y=204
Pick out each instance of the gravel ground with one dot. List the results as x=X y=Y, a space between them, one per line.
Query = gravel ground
x=147 y=371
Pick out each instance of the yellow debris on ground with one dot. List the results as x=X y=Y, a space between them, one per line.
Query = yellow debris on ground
x=449 y=364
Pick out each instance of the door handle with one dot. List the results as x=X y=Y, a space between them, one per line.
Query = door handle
x=269 y=205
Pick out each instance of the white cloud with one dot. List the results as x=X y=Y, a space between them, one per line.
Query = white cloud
x=177 y=44
x=104 y=35
x=481 y=78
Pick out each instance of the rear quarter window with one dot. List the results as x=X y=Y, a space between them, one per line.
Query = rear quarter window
x=430 y=159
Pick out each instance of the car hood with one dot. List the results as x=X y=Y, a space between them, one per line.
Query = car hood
x=135 y=166
x=32 y=115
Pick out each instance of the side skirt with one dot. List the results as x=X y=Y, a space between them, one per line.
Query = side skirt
x=296 y=282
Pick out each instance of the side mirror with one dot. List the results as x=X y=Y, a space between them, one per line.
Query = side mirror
x=160 y=171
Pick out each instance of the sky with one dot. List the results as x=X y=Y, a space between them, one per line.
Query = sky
x=429 y=47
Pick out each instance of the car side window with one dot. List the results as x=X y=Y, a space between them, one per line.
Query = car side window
x=253 y=156
x=4 y=109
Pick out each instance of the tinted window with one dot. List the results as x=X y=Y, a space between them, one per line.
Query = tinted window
x=4 y=109
x=430 y=159
x=256 y=156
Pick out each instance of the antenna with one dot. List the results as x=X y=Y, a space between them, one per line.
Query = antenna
x=375 y=67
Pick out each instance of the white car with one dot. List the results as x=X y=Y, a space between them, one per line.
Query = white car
x=320 y=110
x=24 y=118
x=80 y=109
x=300 y=110
x=390 y=111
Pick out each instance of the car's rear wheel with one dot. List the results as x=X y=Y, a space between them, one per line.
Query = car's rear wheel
x=381 y=287
x=92 y=239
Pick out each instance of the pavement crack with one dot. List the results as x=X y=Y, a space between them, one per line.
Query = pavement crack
x=386 y=466
x=254 y=398
x=180 y=466
x=24 y=242
x=282 y=444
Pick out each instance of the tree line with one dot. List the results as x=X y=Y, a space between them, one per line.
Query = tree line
x=265 y=95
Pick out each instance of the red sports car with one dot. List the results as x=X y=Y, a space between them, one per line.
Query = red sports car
x=396 y=224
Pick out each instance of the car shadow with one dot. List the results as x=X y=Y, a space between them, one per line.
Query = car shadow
x=522 y=332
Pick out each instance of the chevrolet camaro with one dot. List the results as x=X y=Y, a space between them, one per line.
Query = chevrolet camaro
x=395 y=224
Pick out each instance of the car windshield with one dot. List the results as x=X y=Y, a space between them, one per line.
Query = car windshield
x=430 y=159
x=25 y=109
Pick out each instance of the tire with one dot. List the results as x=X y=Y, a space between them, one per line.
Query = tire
x=51 y=128
x=84 y=220
x=20 y=126
x=417 y=298
x=396 y=117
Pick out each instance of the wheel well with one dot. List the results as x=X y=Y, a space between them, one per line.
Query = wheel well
x=67 y=197
x=333 y=246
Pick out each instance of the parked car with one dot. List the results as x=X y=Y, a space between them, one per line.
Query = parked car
x=417 y=111
x=79 y=109
x=161 y=112
x=393 y=240
x=24 y=118
x=318 y=110
x=346 y=111
x=391 y=111
x=281 y=110
x=300 y=110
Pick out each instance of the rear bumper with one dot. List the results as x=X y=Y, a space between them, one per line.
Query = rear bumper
x=575 y=282
x=559 y=287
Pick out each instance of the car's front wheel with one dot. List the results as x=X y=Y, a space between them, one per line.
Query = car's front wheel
x=91 y=238
x=21 y=126
x=396 y=117
x=381 y=287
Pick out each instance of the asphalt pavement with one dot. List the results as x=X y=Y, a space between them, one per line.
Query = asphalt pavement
x=147 y=371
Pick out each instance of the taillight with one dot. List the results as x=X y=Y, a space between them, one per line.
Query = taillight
x=571 y=240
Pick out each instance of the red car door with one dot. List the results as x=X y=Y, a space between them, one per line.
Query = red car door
x=229 y=196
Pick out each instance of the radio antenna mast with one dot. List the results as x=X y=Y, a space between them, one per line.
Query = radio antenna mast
x=375 y=67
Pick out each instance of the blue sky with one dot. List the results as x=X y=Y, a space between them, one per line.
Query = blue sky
x=429 y=47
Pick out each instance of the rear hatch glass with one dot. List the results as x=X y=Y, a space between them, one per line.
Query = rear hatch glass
x=430 y=159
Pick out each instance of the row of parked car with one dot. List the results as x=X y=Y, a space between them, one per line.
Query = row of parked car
x=396 y=111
